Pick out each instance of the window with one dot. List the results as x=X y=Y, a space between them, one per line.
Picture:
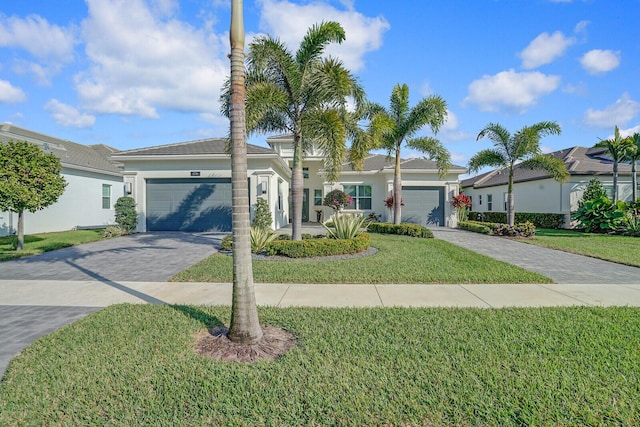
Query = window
x=489 y=202
x=361 y=196
x=106 y=196
x=305 y=173
x=317 y=197
x=480 y=199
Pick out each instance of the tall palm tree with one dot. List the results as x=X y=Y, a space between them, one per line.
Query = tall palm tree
x=633 y=155
x=524 y=147
x=245 y=325
x=617 y=149
x=305 y=95
x=390 y=129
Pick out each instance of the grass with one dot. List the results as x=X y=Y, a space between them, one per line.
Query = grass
x=134 y=365
x=400 y=259
x=45 y=242
x=619 y=249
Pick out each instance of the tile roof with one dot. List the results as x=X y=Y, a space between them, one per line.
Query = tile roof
x=71 y=154
x=212 y=146
x=579 y=161
x=378 y=162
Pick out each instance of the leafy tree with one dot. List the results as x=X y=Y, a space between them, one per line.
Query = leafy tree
x=126 y=215
x=262 y=217
x=390 y=129
x=304 y=95
x=524 y=147
x=245 y=325
x=594 y=190
x=30 y=180
x=617 y=149
x=633 y=155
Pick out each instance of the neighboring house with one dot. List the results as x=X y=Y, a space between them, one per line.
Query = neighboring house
x=426 y=197
x=535 y=191
x=94 y=184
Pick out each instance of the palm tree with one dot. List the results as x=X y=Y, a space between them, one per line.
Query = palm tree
x=305 y=95
x=524 y=147
x=389 y=129
x=245 y=325
x=617 y=149
x=633 y=155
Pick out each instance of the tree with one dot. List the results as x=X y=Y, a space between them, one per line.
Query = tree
x=594 y=190
x=245 y=326
x=524 y=147
x=389 y=129
x=30 y=180
x=633 y=155
x=617 y=149
x=126 y=215
x=305 y=95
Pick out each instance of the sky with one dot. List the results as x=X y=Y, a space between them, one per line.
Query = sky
x=139 y=73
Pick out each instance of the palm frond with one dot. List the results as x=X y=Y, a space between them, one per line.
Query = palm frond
x=496 y=133
x=431 y=111
x=399 y=103
x=315 y=41
x=550 y=164
x=267 y=108
x=489 y=157
x=326 y=129
x=434 y=150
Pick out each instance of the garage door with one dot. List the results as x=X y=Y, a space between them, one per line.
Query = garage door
x=423 y=205
x=186 y=204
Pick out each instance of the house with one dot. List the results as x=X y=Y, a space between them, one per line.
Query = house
x=535 y=190
x=94 y=184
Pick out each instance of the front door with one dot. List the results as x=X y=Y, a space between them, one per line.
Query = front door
x=305 y=205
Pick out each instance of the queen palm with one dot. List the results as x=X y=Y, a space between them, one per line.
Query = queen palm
x=390 y=129
x=617 y=148
x=305 y=95
x=633 y=155
x=522 y=148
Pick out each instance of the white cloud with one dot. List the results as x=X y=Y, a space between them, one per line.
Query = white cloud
x=579 y=89
x=144 y=59
x=628 y=132
x=544 y=49
x=10 y=94
x=616 y=114
x=452 y=122
x=290 y=22
x=66 y=115
x=600 y=61
x=425 y=89
x=510 y=89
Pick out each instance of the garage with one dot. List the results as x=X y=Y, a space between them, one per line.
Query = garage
x=423 y=205
x=188 y=204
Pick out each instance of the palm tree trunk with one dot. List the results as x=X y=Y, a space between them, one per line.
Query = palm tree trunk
x=245 y=326
x=297 y=184
x=511 y=205
x=634 y=181
x=615 y=181
x=397 y=189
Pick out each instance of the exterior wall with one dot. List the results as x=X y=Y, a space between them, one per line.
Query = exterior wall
x=265 y=178
x=79 y=206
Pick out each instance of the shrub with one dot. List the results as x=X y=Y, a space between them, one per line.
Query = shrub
x=262 y=216
x=600 y=215
x=113 y=231
x=462 y=204
x=345 y=226
x=540 y=220
x=475 y=226
x=389 y=202
x=337 y=200
x=318 y=247
x=525 y=229
x=594 y=190
x=126 y=215
x=227 y=243
x=403 y=229
x=260 y=238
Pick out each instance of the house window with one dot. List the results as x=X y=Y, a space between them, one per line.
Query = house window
x=106 y=196
x=489 y=202
x=317 y=197
x=305 y=173
x=479 y=199
x=280 y=183
x=361 y=196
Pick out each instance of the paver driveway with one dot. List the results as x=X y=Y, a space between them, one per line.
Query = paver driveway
x=139 y=257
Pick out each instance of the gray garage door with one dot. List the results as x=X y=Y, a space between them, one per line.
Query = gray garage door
x=423 y=205
x=186 y=204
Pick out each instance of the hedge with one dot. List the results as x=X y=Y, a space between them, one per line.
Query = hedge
x=524 y=229
x=475 y=226
x=319 y=247
x=403 y=229
x=541 y=220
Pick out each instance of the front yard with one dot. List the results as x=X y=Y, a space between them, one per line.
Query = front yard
x=133 y=365
x=45 y=242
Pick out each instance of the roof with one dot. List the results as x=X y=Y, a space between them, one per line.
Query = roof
x=72 y=155
x=579 y=161
x=201 y=147
x=379 y=162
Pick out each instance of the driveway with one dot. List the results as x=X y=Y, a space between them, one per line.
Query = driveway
x=154 y=256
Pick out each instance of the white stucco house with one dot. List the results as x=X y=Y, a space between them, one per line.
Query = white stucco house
x=94 y=184
x=535 y=191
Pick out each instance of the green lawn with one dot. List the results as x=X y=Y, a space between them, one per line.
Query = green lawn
x=400 y=259
x=620 y=249
x=45 y=242
x=133 y=365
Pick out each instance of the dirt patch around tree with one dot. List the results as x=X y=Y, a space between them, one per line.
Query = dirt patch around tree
x=213 y=343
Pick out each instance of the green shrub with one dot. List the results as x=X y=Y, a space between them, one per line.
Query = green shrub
x=525 y=229
x=284 y=237
x=594 y=190
x=600 y=215
x=126 y=215
x=113 y=231
x=345 y=226
x=403 y=229
x=475 y=226
x=337 y=200
x=318 y=247
x=540 y=220
x=260 y=238
x=227 y=243
x=262 y=216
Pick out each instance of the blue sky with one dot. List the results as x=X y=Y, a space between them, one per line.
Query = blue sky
x=137 y=73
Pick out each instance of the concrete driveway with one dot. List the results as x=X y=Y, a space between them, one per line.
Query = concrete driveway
x=139 y=257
